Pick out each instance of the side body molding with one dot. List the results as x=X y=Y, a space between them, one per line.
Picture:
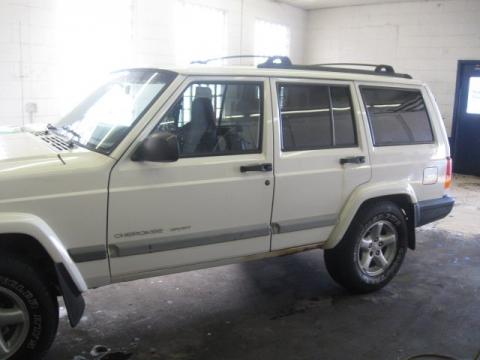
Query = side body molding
x=358 y=197
x=35 y=227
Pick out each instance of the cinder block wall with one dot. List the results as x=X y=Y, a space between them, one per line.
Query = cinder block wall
x=153 y=37
x=27 y=59
x=30 y=50
x=425 y=39
x=153 y=27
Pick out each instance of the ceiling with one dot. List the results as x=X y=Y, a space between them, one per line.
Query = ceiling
x=319 y=4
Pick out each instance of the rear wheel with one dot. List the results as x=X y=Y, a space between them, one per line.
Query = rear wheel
x=28 y=312
x=373 y=249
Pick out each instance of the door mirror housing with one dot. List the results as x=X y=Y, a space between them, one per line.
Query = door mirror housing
x=158 y=147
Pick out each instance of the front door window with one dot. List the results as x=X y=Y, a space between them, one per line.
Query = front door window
x=213 y=119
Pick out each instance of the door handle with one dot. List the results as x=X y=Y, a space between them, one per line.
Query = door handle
x=257 y=167
x=353 y=160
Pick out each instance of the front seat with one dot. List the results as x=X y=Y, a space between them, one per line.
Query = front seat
x=199 y=135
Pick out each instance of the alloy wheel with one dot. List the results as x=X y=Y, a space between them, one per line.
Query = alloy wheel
x=377 y=248
x=14 y=323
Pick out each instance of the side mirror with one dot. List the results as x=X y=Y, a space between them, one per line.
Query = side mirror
x=157 y=147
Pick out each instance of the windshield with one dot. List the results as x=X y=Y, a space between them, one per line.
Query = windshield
x=104 y=118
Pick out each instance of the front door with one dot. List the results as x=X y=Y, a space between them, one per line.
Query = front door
x=321 y=156
x=213 y=203
x=466 y=121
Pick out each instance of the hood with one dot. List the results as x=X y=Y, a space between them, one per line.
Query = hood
x=40 y=163
x=22 y=146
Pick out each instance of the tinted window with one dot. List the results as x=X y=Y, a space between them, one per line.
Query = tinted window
x=343 y=116
x=397 y=117
x=315 y=116
x=216 y=119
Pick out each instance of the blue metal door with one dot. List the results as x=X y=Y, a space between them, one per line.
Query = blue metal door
x=466 y=120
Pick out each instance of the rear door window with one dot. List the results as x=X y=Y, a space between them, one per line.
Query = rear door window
x=316 y=116
x=397 y=116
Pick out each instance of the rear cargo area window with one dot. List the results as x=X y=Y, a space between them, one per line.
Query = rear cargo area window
x=397 y=116
x=315 y=117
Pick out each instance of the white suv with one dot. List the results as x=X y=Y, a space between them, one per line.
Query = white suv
x=167 y=171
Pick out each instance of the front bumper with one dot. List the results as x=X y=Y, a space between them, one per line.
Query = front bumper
x=431 y=210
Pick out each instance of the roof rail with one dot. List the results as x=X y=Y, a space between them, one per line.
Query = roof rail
x=284 y=62
x=380 y=70
x=206 y=61
x=377 y=67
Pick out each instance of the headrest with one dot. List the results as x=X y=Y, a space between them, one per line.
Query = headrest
x=203 y=92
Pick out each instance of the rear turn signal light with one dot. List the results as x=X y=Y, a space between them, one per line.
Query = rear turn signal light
x=448 y=174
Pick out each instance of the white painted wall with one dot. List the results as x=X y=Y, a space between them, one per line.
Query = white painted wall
x=31 y=46
x=153 y=36
x=27 y=59
x=425 y=39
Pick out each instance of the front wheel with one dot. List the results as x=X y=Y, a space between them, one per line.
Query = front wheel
x=28 y=312
x=373 y=249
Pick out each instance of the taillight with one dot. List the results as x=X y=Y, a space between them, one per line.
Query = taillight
x=448 y=174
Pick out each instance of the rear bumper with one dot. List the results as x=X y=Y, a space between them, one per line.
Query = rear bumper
x=432 y=210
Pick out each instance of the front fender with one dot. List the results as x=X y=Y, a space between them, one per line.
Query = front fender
x=32 y=225
x=358 y=197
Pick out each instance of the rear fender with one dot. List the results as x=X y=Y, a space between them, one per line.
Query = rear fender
x=362 y=194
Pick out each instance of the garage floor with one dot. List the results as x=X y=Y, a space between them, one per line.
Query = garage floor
x=289 y=308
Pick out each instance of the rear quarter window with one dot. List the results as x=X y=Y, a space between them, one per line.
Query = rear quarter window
x=397 y=116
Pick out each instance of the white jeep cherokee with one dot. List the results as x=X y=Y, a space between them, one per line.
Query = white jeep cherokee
x=166 y=171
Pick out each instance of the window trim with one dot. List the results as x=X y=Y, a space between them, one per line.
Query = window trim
x=332 y=118
x=375 y=87
x=260 y=83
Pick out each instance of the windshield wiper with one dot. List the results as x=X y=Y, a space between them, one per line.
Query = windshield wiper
x=71 y=142
x=51 y=127
x=67 y=129
x=72 y=132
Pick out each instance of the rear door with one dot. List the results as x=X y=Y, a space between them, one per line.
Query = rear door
x=321 y=156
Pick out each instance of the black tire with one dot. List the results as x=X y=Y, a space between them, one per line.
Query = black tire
x=343 y=261
x=24 y=281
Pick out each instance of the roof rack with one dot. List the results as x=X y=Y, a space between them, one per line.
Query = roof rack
x=268 y=57
x=377 y=68
x=283 y=62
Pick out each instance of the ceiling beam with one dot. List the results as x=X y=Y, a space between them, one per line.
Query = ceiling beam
x=324 y=4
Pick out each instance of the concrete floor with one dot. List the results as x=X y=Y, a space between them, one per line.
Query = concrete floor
x=289 y=308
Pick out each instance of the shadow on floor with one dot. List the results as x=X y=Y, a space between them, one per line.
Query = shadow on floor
x=289 y=308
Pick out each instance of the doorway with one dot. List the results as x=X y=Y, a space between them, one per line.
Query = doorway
x=466 y=119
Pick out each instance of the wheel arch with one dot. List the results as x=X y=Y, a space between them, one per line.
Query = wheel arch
x=29 y=226
x=27 y=236
x=402 y=195
x=26 y=247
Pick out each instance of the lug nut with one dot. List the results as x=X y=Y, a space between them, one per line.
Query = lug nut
x=377 y=252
